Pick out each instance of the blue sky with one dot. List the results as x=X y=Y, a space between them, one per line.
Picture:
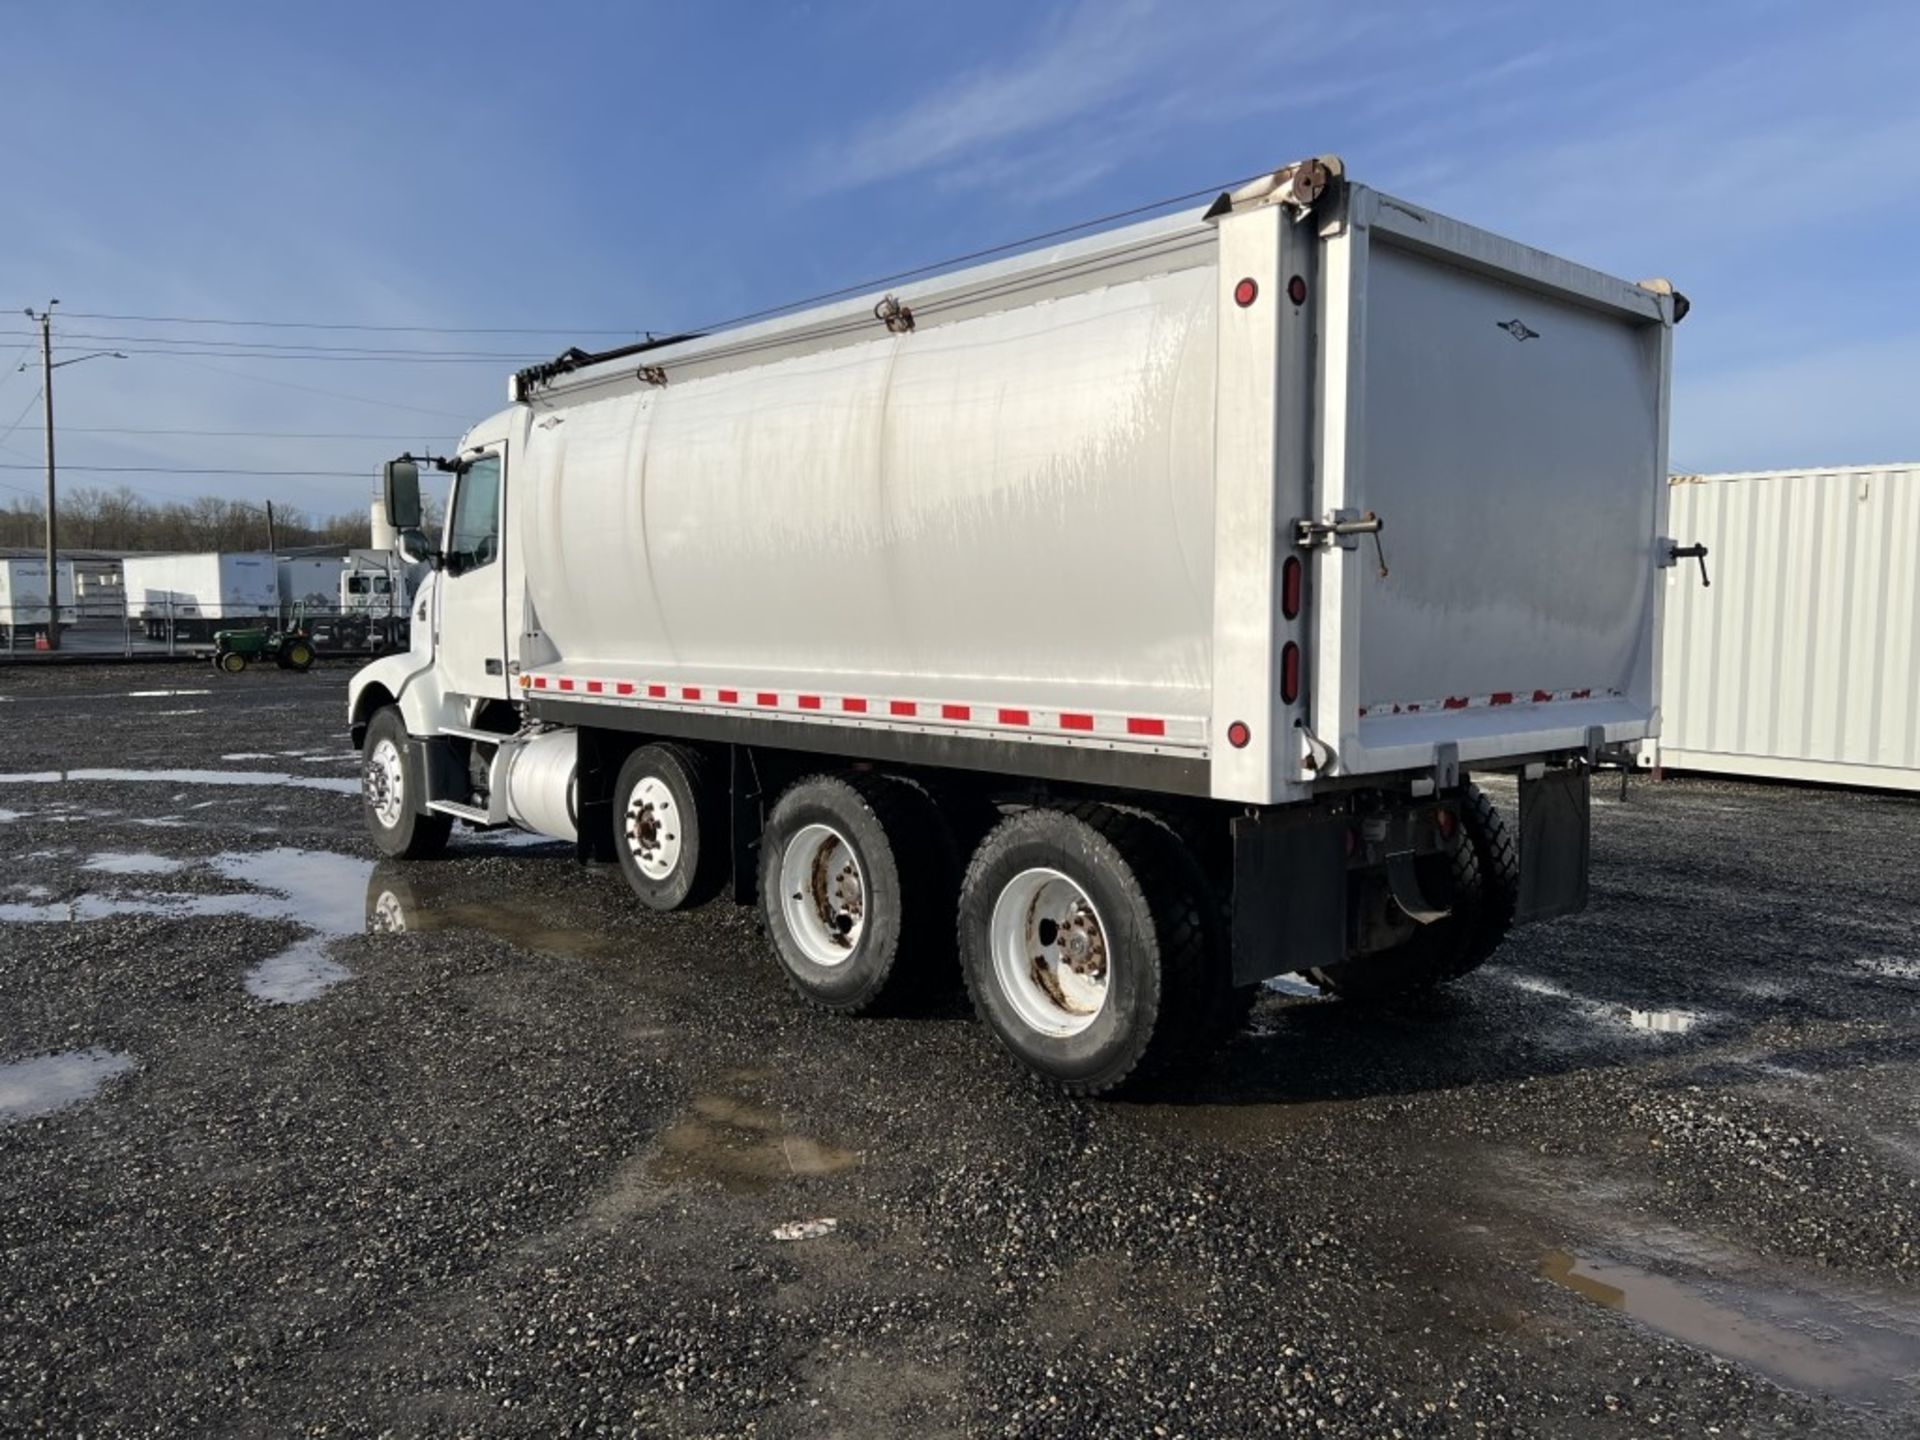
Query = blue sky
x=599 y=167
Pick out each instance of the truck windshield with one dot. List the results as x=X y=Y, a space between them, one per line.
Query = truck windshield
x=474 y=538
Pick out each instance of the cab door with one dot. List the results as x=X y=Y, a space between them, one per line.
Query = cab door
x=472 y=620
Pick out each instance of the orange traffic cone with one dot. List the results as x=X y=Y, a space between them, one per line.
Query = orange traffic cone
x=40 y=640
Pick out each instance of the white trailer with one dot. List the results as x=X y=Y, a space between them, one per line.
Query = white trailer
x=191 y=596
x=23 y=597
x=1131 y=612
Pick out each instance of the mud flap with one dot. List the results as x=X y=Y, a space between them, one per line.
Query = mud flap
x=1556 y=841
x=1289 y=895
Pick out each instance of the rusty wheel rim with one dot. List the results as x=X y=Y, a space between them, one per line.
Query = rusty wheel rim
x=1050 y=952
x=824 y=894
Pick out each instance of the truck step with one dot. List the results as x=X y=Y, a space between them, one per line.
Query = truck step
x=473 y=813
x=485 y=737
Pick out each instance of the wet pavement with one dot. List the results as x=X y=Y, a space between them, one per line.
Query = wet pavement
x=295 y=1142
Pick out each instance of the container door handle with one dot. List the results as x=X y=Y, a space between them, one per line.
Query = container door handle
x=1677 y=553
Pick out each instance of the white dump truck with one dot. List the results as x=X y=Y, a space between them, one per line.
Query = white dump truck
x=1126 y=618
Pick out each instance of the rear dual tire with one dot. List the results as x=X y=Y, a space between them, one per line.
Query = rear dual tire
x=1088 y=949
x=856 y=888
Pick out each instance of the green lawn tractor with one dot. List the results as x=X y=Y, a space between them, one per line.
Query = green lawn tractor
x=290 y=647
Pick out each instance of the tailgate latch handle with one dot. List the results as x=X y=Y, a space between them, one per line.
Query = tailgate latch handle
x=1677 y=553
x=1325 y=534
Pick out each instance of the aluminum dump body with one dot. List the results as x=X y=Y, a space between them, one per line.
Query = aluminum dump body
x=1114 y=496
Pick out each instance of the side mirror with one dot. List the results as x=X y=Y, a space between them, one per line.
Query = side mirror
x=414 y=548
x=400 y=487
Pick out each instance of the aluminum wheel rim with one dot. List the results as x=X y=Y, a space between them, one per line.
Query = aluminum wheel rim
x=824 y=894
x=653 y=828
x=1050 y=952
x=385 y=783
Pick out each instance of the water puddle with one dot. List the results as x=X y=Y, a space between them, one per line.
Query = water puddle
x=48 y=1082
x=321 y=891
x=399 y=900
x=742 y=1147
x=249 y=755
x=1605 y=1014
x=7 y=817
x=1862 y=1349
x=1295 y=985
x=130 y=862
x=261 y=778
x=162 y=694
x=1663 y=1022
x=1890 y=967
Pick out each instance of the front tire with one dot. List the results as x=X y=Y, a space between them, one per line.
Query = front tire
x=1085 y=946
x=389 y=785
x=230 y=662
x=668 y=833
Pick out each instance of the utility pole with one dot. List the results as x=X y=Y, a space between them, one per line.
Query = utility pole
x=270 y=541
x=53 y=513
x=47 y=367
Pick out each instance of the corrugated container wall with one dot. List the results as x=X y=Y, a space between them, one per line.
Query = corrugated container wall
x=1802 y=662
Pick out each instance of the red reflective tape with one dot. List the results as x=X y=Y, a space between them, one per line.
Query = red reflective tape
x=1583 y=694
x=625 y=687
x=766 y=697
x=1076 y=722
x=1455 y=702
x=956 y=712
x=539 y=682
x=1015 y=717
x=593 y=687
x=1137 y=725
x=902 y=707
x=1500 y=697
x=809 y=702
x=566 y=684
x=657 y=692
x=729 y=697
x=853 y=705
x=689 y=692
x=1541 y=697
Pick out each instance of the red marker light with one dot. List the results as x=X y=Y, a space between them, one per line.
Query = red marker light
x=1238 y=734
x=1245 y=293
x=1290 y=587
x=1297 y=290
x=1290 y=673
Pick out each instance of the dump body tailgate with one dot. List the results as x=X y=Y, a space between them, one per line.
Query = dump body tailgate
x=1502 y=414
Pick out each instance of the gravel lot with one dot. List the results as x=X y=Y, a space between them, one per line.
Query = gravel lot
x=294 y=1143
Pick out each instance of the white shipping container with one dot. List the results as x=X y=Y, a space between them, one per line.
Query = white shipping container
x=1802 y=661
x=207 y=586
x=311 y=580
x=23 y=592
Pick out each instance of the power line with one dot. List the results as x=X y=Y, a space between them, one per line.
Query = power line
x=203 y=342
x=7 y=434
x=561 y=330
x=329 y=394
x=203 y=470
x=247 y=434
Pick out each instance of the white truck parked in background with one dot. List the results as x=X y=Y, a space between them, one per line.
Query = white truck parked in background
x=1128 y=614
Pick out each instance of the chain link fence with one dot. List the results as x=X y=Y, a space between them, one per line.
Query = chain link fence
x=110 y=627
